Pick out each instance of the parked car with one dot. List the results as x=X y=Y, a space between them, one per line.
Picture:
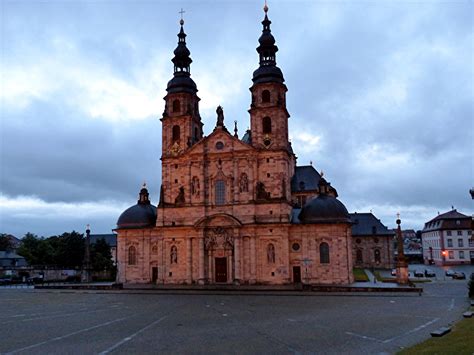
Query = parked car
x=394 y=272
x=429 y=273
x=5 y=281
x=459 y=275
x=418 y=273
x=449 y=273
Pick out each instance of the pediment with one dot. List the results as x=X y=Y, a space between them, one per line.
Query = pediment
x=218 y=220
x=219 y=141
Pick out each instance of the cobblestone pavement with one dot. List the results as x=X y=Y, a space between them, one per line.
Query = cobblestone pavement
x=78 y=322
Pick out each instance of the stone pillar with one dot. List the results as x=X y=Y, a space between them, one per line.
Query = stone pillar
x=189 y=267
x=253 y=261
x=201 y=261
x=229 y=268
x=237 y=271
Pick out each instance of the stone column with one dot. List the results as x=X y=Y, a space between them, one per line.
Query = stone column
x=237 y=271
x=253 y=261
x=189 y=267
x=201 y=261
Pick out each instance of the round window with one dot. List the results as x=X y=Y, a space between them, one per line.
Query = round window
x=358 y=241
x=376 y=240
x=295 y=246
x=219 y=145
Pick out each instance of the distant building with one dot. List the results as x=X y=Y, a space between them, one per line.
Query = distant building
x=110 y=239
x=412 y=247
x=447 y=239
x=372 y=242
x=10 y=259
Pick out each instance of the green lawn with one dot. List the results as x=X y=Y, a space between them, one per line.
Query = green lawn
x=459 y=341
x=360 y=275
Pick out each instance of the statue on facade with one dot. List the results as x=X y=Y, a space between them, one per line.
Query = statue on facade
x=262 y=194
x=220 y=116
x=180 y=198
x=244 y=183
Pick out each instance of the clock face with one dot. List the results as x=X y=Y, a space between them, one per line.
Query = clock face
x=267 y=141
x=175 y=149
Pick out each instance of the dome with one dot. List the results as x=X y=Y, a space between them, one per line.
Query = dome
x=324 y=209
x=141 y=215
x=181 y=83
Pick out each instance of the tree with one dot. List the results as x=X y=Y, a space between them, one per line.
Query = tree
x=5 y=242
x=101 y=256
x=31 y=250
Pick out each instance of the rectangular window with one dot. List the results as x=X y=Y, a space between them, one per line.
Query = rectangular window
x=451 y=254
x=448 y=233
x=460 y=243
x=450 y=243
x=220 y=192
x=459 y=232
x=469 y=232
x=461 y=254
x=471 y=242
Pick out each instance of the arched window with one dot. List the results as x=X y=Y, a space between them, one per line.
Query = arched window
x=359 y=259
x=176 y=133
x=220 y=192
x=324 y=253
x=377 y=255
x=271 y=253
x=267 y=125
x=265 y=96
x=132 y=256
x=196 y=134
x=174 y=255
x=176 y=106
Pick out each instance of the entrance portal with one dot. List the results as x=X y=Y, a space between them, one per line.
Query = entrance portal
x=296 y=274
x=154 y=274
x=221 y=269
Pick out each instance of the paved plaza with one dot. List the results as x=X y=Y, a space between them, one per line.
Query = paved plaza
x=79 y=322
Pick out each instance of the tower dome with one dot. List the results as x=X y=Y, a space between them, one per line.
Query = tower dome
x=141 y=215
x=324 y=208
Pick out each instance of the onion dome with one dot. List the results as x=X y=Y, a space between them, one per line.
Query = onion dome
x=141 y=215
x=182 y=81
x=268 y=70
x=324 y=208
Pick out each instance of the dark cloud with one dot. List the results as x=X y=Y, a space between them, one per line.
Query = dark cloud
x=381 y=98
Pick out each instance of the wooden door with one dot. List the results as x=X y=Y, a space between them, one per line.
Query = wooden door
x=154 y=274
x=221 y=269
x=296 y=274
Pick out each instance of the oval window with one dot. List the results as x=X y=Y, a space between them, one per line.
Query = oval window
x=219 y=145
x=295 y=246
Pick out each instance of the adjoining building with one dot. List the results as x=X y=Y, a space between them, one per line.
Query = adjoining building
x=234 y=210
x=447 y=239
x=372 y=242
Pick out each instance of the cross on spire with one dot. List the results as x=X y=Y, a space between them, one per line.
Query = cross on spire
x=181 y=12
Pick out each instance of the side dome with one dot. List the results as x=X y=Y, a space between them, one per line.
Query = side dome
x=324 y=208
x=141 y=215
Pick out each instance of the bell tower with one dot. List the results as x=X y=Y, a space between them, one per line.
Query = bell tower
x=268 y=113
x=181 y=122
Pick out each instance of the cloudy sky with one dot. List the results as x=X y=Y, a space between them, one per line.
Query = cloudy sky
x=380 y=96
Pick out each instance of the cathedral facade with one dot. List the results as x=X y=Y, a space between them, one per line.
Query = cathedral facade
x=234 y=210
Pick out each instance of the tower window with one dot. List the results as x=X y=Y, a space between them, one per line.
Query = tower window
x=196 y=134
x=267 y=125
x=324 y=253
x=377 y=255
x=176 y=133
x=220 y=192
x=176 y=106
x=265 y=96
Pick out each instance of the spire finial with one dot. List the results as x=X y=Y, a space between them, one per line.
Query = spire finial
x=265 y=8
x=144 y=184
x=181 y=22
x=236 y=135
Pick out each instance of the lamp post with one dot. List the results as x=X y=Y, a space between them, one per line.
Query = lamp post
x=86 y=264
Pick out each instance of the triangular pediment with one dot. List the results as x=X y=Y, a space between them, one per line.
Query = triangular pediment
x=219 y=141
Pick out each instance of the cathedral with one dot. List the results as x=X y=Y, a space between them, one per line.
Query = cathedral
x=234 y=210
